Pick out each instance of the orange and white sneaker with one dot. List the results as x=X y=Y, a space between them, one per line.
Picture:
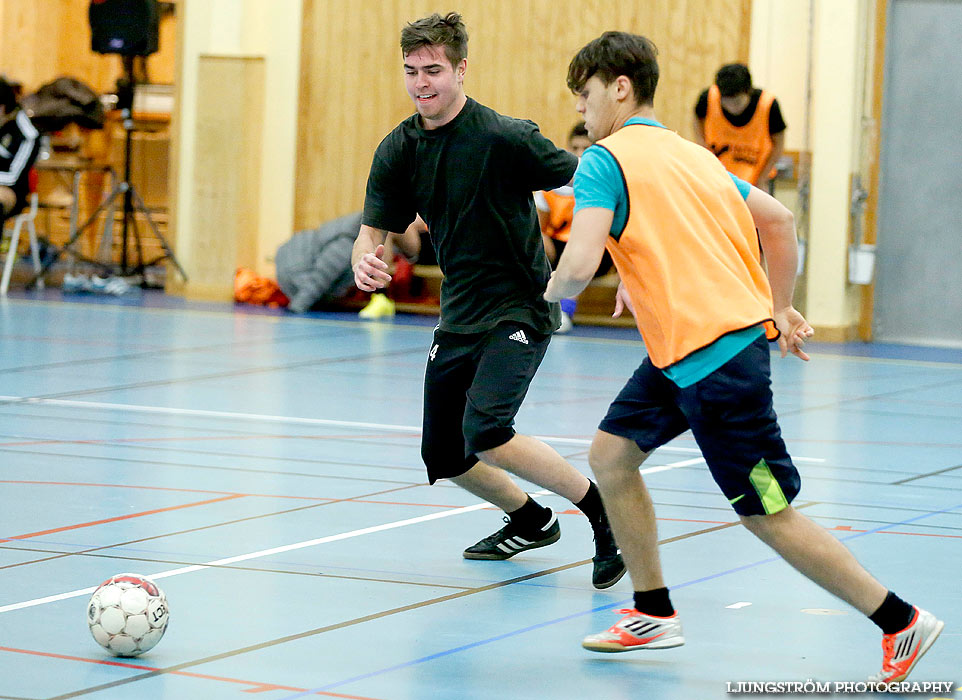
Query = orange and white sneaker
x=902 y=650
x=637 y=631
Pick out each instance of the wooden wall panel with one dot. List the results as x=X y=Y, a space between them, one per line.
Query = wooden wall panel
x=352 y=91
x=44 y=39
x=229 y=139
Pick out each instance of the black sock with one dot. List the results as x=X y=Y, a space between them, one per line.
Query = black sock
x=530 y=518
x=591 y=504
x=893 y=615
x=655 y=602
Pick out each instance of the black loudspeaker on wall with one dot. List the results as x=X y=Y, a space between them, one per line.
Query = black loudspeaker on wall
x=126 y=27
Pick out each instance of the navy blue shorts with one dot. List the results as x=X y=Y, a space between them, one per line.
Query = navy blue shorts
x=731 y=416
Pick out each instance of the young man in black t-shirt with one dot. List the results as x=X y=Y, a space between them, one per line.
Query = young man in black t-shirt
x=469 y=173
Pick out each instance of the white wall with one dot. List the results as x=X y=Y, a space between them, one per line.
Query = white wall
x=778 y=59
x=826 y=41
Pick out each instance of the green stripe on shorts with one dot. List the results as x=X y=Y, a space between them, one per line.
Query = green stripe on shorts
x=768 y=489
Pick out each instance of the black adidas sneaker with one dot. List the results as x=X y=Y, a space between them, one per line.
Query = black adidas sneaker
x=507 y=542
x=607 y=564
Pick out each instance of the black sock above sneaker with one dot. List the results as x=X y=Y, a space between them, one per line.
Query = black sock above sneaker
x=591 y=504
x=530 y=518
x=655 y=602
x=893 y=615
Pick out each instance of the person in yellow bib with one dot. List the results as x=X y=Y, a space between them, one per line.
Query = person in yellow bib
x=682 y=234
x=741 y=124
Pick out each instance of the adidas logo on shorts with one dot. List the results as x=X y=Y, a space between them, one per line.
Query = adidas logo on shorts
x=519 y=336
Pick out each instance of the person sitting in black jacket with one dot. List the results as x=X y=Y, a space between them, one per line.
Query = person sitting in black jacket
x=19 y=145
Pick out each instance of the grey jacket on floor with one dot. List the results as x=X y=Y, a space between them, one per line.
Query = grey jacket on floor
x=315 y=264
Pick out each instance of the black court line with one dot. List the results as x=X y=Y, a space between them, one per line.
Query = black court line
x=233 y=567
x=159 y=350
x=867 y=482
x=880 y=506
x=146 y=444
x=359 y=620
x=153 y=425
x=314 y=362
x=867 y=397
x=938 y=488
x=925 y=476
x=582 y=454
x=874 y=522
x=206 y=527
x=834 y=465
x=243 y=470
x=901 y=414
x=226 y=432
x=298 y=460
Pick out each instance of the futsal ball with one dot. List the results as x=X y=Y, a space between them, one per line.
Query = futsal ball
x=127 y=614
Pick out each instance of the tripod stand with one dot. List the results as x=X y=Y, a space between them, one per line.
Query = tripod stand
x=131 y=205
x=132 y=202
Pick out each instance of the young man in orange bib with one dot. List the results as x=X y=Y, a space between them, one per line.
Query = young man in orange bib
x=741 y=124
x=682 y=233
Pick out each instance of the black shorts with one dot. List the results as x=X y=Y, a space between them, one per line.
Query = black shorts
x=731 y=416
x=473 y=388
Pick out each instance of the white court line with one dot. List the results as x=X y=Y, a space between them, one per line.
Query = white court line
x=133 y=408
x=306 y=543
x=293 y=420
x=297 y=421
x=256 y=555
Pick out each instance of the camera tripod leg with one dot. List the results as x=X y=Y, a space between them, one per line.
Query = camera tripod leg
x=168 y=253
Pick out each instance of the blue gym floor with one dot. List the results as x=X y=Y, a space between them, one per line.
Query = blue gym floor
x=265 y=470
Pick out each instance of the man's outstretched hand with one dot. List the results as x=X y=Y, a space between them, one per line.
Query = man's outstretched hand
x=794 y=331
x=370 y=272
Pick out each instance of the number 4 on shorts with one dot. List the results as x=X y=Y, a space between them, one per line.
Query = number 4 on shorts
x=434 y=351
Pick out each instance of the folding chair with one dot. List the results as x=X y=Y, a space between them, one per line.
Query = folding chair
x=27 y=217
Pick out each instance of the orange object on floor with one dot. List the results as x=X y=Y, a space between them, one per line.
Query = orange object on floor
x=251 y=288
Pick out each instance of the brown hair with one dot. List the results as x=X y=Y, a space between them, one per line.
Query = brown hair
x=8 y=96
x=448 y=31
x=613 y=54
x=579 y=129
x=733 y=79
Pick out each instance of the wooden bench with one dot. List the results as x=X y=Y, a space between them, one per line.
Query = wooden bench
x=595 y=304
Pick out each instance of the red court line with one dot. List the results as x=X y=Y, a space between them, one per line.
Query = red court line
x=119 y=517
x=180 y=490
x=226 y=493
x=128 y=486
x=256 y=686
x=198 y=438
x=849 y=528
x=569 y=511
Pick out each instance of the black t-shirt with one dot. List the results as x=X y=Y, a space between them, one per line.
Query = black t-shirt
x=19 y=145
x=776 y=124
x=471 y=181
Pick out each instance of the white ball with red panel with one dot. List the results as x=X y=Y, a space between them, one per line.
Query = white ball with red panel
x=128 y=614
